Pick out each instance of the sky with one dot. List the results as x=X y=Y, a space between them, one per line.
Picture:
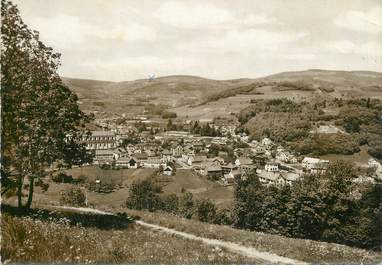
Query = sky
x=120 y=40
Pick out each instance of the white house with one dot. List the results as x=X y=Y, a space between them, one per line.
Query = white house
x=271 y=167
x=100 y=140
x=153 y=162
x=314 y=165
x=266 y=142
x=129 y=162
x=167 y=171
x=104 y=156
x=231 y=176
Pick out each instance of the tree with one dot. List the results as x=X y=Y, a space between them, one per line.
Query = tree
x=73 y=197
x=248 y=201
x=144 y=196
x=170 y=203
x=206 y=210
x=41 y=120
x=186 y=205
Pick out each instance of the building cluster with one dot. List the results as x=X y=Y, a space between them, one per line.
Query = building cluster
x=273 y=164
x=158 y=148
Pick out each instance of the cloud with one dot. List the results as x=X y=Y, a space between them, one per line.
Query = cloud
x=138 y=67
x=201 y=16
x=130 y=33
x=371 y=50
x=244 y=41
x=370 y=21
x=60 y=31
x=64 y=31
x=197 y=15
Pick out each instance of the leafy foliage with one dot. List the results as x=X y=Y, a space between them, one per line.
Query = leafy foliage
x=144 y=195
x=328 y=207
x=38 y=111
x=206 y=210
x=73 y=197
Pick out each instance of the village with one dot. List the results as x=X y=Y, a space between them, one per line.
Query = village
x=224 y=158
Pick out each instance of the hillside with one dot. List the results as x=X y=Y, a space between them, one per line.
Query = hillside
x=184 y=93
x=79 y=236
x=131 y=96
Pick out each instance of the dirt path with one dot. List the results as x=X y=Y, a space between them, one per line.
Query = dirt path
x=249 y=252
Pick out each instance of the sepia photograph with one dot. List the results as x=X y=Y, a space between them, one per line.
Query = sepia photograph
x=195 y=132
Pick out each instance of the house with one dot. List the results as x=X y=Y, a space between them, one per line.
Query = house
x=100 y=140
x=177 y=151
x=290 y=177
x=243 y=161
x=189 y=150
x=266 y=142
x=270 y=178
x=218 y=160
x=245 y=164
x=271 y=167
x=104 y=156
x=197 y=160
x=141 y=157
x=314 y=165
x=319 y=168
x=214 y=171
x=167 y=155
x=177 y=133
x=129 y=162
x=167 y=171
x=153 y=162
x=282 y=156
x=198 y=145
x=228 y=168
x=230 y=177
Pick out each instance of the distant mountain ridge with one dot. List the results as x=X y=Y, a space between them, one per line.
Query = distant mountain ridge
x=181 y=90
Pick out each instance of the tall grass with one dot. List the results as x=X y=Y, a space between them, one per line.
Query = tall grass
x=57 y=241
x=300 y=249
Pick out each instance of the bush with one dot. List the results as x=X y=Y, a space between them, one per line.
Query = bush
x=223 y=217
x=144 y=196
x=170 y=203
x=206 y=210
x=186 y=205
x=169 y=115
x=327 y=207
x=73 y=197
x=101 y=187
x=62 y=178
x=322 y=144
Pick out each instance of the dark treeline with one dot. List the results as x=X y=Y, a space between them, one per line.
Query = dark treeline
x=328 y=207
x=147 y=195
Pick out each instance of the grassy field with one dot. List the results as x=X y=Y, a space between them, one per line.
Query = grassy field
x=121 y=176
x=198 y=185
x=299 y=249
x=360 y=159
x=45 y=241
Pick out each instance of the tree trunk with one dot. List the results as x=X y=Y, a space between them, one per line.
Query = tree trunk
x=30 y=195
x=20 y=192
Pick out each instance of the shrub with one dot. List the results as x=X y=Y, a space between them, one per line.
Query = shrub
x=169 y=115
x=144 y=196
x=170 y=203
x=73 y=197
x=62 y=177
x=326 y=207
x=206 y=210
x=186 y=205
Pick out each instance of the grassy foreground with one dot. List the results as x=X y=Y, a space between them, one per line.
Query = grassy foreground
x=299 y=249
x=56 y=240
